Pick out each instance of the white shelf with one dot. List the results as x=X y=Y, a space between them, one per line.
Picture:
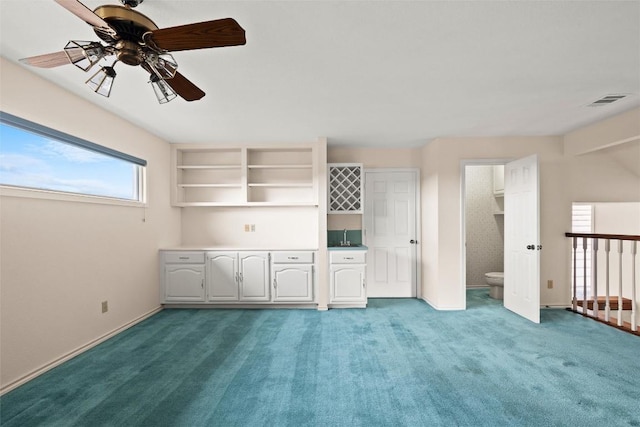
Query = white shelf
x=280 y=166
x=283 y=185
x=210 y=185
x=207 y=175
x=204 y=167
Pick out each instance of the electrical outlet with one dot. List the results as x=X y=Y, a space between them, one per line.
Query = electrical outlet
x=105 y=306
x=253 y=228
x=247 y=228
x=549 y=284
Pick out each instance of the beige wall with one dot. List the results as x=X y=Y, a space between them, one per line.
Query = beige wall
x=442 y=282
x=61 y=259
x=376 y=157
x=275 y=227
x=616 y=130
x=606 y=175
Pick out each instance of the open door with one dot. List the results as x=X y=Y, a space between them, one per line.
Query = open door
x=522 y=238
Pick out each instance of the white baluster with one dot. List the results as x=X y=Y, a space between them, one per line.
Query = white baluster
x=607 y=306
x=619 y=282
x=594 y=289
x=575 y=267
x=584 y=275
x=634 y=320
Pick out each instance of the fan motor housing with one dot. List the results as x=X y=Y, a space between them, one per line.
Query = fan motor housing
x=129 y=24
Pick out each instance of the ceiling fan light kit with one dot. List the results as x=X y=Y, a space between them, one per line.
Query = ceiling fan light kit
x=163 y=91
x=102 y=81
x=136 y=40
x=84 y=54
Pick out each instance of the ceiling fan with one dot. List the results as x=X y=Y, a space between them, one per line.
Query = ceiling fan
x=136 y=40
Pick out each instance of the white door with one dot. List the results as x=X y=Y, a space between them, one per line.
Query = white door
x=347 y=283
x=254 y=276
x=292 y=282
x=222 y=276
x=184 y=282
x=522 y=238
x=390 y=227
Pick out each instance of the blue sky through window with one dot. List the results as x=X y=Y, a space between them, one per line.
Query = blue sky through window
x=34 y=161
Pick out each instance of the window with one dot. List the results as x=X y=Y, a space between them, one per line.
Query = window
x=39 y=158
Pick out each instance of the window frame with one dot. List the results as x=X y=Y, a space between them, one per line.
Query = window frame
x=64 y=138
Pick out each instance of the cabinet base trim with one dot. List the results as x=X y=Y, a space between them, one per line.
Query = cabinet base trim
x=348 y=305
x=244 y=306
x=59 y=361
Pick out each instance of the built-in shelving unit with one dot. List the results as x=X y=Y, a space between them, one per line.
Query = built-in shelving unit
x=346 y=188
x=238 y=176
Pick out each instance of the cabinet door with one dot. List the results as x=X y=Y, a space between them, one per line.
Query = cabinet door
x=222 y=276
x=183 y=283
x=292 y=283
x=347 y=283
x=254 y=276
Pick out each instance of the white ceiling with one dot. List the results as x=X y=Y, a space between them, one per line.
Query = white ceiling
x=383 y=73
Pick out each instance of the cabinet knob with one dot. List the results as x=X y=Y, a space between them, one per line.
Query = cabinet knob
x=275 y=284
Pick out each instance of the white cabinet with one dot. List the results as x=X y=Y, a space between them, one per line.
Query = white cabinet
x=292 y=276
x=237 y=276
x=347 y=271
x=183 y=276
x=222 y=276
x=206 y=175
x=346 y=188
x=254 y=276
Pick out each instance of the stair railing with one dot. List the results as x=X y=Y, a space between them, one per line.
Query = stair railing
x=584 y=309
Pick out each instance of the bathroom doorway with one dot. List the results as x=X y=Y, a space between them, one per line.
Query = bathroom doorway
x=483 y=224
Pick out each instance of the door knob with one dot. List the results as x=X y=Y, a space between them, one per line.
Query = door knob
x=531 y=247
x=413 y=242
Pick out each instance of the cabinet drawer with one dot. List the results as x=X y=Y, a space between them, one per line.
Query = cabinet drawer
x=184 y=257
x=292 y=257
x=347 y=257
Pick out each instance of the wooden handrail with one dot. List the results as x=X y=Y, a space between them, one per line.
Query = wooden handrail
x=605 y=236
x=592 y=303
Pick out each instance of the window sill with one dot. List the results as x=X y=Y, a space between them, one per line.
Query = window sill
x=8 y=191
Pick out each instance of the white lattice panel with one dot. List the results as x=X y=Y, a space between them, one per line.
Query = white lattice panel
x=345 y=188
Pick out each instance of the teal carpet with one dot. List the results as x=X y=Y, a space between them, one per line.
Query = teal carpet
x=397 y=363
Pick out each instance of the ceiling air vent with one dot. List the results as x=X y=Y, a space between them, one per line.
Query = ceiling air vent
x=606 y=100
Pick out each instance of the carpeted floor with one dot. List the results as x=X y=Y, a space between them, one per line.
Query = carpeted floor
x=397 y=363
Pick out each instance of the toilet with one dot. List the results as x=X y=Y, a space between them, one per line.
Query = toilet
x=495 y=280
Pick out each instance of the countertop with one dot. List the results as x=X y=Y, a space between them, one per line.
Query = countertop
x=227 y=248
x=348 y=248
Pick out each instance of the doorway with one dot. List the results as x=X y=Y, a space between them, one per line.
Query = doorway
x=391 y=229
x=483 y=223
x=521 y=280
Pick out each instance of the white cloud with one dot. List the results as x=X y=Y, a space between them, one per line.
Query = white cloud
x=14 y=162
x=71 y=153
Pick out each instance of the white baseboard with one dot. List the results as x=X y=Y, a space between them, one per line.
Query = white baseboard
x=47 y=367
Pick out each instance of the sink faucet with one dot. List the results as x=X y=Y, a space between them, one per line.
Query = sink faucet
x=345 y=242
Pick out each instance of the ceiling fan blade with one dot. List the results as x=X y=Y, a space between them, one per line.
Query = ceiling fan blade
x=183 y=87
x=218 y=33
x=48 y=60
x=87 y=15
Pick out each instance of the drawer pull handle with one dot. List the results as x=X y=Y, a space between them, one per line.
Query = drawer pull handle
x=292 y=257
x=348 y=257
x=183 y=257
